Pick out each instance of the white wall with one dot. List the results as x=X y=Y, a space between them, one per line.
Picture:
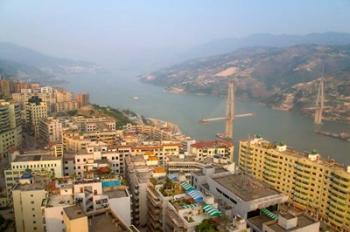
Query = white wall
x=54 y=218
x=122 y=208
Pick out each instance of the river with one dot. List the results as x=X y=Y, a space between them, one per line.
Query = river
x=292 y=128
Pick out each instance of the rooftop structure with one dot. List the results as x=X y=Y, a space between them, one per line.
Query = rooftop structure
x=238 y=194
x=245 y=187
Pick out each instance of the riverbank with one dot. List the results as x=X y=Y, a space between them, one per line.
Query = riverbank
x=186 y=110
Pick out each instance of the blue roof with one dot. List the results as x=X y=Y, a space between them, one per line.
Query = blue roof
x=26 y=175
x=196 y=195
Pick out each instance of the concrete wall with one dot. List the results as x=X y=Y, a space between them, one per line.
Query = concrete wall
x=122 y=208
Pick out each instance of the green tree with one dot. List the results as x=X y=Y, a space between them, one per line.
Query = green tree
x=206 y=226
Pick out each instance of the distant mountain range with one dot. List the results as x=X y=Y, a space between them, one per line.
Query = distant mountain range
x=18 y=62
x=221 y=46
x=283 y=77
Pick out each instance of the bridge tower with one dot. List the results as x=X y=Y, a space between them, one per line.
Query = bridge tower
x=319 y=107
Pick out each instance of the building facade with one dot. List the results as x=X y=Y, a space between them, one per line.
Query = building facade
x=319 y=186
x=35 y=111
x=10 y=128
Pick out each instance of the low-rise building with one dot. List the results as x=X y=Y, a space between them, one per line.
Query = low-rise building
x=75 y=220
x=210 y=149
x=238 y=194
x=37 y=162
x=175 y=205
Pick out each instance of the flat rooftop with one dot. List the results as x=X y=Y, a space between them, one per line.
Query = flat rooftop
x=106 y=222
x=292 y=152
x=57 y=200
x=38 y=183
x=35 y=157
x=245 y=187
x=303 y=221
x=258 y=221
x=117 y=193
x=30 y=187
x=74 y=212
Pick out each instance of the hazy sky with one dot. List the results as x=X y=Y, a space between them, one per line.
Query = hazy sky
x=121 y=30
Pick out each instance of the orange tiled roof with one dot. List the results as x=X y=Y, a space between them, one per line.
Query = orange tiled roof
x=159 y=170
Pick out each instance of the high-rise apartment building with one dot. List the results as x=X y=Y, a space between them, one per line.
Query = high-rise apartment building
x=82 y=99
x=322 y=187
x=35 y=111
x=50 y=131
x=5 y=88
x=27 y=197
x=10 y=127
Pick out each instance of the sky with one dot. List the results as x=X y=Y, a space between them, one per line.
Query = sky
x=126 y=31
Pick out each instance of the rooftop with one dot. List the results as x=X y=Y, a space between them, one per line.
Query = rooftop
x=106 y=222
x=291 y=152
x=37 y=183
x=245 y=187
x=303 y=221
x=116 y=193
x=57 y=200
x=35 y=156
x=258 y=221
x=74 y=212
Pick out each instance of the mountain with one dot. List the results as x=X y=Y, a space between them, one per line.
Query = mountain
x=282 y=77
x=221 y=46
x=20 y=62
x=10 y=69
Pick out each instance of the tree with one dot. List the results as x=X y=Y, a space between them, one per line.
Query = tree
x=206 y=226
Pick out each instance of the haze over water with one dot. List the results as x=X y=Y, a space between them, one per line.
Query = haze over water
x=294 y=129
